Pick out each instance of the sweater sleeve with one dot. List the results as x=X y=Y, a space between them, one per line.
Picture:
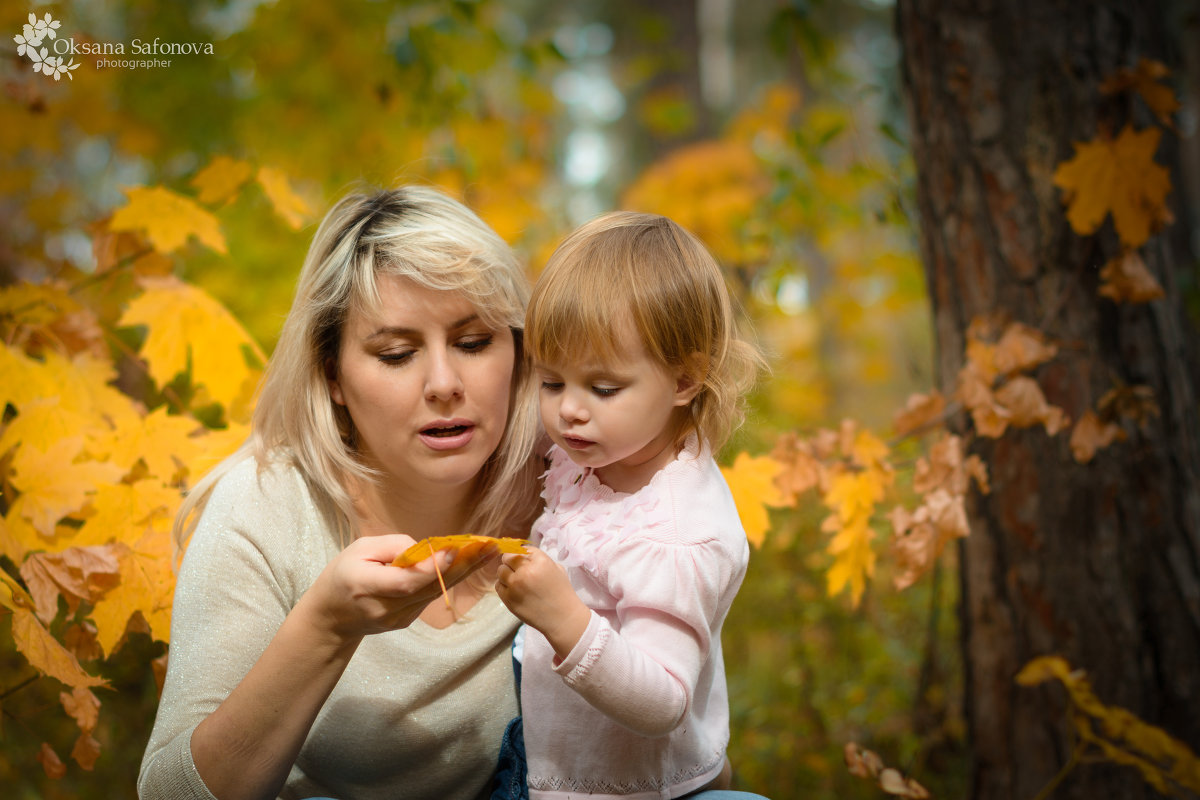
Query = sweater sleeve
x=670 y=598
x=234 y=589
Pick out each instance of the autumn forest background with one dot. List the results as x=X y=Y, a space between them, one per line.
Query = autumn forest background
x=965 y=233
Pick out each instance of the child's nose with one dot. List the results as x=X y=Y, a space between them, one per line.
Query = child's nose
x=572 y=408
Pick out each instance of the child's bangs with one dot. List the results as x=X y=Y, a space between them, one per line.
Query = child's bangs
x=575 y=323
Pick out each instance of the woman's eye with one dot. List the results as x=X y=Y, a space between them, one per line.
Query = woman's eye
x=475 y=344
x=395 y=358
x=605 y=391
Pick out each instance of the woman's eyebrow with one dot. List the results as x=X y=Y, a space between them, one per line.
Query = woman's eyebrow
x=400 y=330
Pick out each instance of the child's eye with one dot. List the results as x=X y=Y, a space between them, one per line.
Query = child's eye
x=551 y=386
x=605 y=391
x=475 y=344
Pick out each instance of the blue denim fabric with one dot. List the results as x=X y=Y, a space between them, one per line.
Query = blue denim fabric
x=511 y=769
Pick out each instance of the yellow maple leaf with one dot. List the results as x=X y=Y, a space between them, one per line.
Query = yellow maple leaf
x=854 y=560
x=44 y=422
x=854 y=494
x=1118 y=176
x=751 y=480
x=159 y=440
x=186 y=325
x=221 y=179
x=147 y=585
x=868 y=450
x=292 y=207
x=167 y=218
x=22 y=379
x=83 y=384
x=53 y=484
x=217 y=445
x=45 y=654
x=123 y=510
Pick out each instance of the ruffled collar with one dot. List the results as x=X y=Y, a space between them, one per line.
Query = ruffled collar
x=583 y=514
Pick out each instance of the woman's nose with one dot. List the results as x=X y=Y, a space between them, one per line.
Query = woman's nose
x=442 y=380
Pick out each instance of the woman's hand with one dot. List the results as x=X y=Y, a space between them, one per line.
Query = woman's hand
x=359 y=592
x=539 y=593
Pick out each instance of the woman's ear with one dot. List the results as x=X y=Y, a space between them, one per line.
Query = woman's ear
x=331 y=378
x=690 y=379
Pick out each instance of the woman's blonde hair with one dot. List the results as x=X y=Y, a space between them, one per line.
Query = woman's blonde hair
x=423 y=236
x=646 y=271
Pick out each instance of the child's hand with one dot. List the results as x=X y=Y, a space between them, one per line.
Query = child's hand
x=539 y=593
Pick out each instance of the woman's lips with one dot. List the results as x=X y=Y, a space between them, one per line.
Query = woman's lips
x=449 y=435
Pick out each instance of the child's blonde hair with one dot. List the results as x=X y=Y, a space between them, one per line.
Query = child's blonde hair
x=646 y=271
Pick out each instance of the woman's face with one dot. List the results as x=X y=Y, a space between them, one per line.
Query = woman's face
x=427 y=383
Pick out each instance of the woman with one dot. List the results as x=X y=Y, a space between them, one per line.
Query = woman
x=395 y=407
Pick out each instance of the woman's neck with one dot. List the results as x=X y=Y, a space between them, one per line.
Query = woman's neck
x=385 y=507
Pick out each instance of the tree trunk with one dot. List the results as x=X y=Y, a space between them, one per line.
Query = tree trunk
x=1098 y=563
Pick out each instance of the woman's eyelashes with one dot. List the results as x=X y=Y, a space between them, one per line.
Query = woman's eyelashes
x=470 y=345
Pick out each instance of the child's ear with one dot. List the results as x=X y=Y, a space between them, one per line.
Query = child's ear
x=690 y=379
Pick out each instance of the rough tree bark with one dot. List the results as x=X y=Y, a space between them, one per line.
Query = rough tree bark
x=1099 y=563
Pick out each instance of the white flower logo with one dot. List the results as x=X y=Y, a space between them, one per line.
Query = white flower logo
x=29 y=40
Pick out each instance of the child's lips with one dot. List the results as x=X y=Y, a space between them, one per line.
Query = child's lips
x=577 y=443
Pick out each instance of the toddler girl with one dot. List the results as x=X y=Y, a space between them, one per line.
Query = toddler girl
x=623 y=693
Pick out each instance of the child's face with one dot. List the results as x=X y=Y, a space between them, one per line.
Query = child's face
x=620 y=419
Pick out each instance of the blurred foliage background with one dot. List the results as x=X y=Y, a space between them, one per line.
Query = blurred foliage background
x=773 y=129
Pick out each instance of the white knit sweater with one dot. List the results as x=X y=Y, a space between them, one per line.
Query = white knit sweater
x=418 y=713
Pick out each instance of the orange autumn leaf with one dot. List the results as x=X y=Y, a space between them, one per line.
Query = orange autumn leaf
x=77 y=573
x=51 y=763
x=1127 y=280
x=1027 y=406
x=467 y=545
x=220 y=180
x=751 y=480
x=1091 y=434
x=1145 y=80
x=800 y=469
x=293 y=208
x=185 y=325
x=920 y=410
x=147 y=587
x=168 y=219
x=45 y=654
x=1021 y=348
x=1117 y=176
x=81 y=705
x=86 y=751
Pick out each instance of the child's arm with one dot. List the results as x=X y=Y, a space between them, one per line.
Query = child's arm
x=538 y=592
x=644 y=675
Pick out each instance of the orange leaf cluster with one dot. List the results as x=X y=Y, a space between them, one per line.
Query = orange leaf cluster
x=991 y=387
x=943 y=478
x=1098 y=429
x=867 y=764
